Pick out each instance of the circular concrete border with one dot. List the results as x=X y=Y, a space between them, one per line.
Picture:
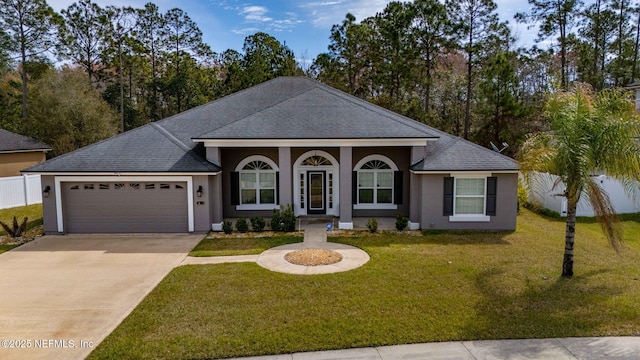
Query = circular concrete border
x=273 y=259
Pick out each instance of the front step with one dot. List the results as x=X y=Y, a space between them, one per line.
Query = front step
x=315 y=236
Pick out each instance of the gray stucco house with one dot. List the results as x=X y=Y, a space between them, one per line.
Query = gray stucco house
x=290 y=140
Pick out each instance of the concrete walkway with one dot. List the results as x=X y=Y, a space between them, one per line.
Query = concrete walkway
x=315 y=237
x=60 y=296
x=611 y=348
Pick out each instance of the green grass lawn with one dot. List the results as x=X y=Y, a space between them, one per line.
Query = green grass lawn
x=436 y=287
x=32 y=212
x=227 y=246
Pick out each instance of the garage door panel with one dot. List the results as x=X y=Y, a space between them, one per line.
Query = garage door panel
x=125 y=207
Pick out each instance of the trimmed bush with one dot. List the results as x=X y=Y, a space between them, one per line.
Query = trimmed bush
x=227 y=227
x=257 y=223
x=372 y=225
x=401 y=222
x=242 y=225
x=283 y=219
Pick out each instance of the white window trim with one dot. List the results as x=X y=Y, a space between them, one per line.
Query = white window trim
x=334 y=169
x=61 y=179
x=470 y=217
x=274 y=170
x=375 y=205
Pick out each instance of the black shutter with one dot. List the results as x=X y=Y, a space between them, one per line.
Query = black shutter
x=235 y=188
x=277 y=194
x=397 y=187
x=447 y=208
x=492 y=189
x=354 y=187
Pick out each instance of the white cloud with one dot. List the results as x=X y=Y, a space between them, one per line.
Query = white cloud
x=255 y=14
x=325 y=14
x=245 y=31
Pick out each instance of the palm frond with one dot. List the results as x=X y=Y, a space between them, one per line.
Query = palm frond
x=605 y=215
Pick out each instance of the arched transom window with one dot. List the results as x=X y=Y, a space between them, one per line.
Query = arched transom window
x=257 y=181
x=316 y=160
x=375 y=181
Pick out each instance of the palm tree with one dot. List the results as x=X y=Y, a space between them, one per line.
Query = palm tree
x=589 y=134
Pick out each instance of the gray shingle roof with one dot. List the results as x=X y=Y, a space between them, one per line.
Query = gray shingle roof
x=451 y=153
x=301 y=108
x=13 y=142
x=147 y=149
x=283 y=108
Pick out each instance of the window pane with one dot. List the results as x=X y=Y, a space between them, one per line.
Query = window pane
x=385 y=179
x=247 y=180
x=469 y=186
x=384 y=196
x=366 y=196
x=267 y=180
x=248 y=196
x=365 y=179
x=466 y=206
x=267 y=196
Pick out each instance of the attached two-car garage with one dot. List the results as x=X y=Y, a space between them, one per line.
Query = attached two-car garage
x=125 y=206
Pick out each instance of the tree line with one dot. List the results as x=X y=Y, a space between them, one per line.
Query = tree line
x=451 y=64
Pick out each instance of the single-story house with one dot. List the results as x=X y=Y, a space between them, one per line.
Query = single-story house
x=288 y=141
x=18 y=152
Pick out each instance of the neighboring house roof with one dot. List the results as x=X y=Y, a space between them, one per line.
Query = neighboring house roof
x=295 y=108
x=12 y=142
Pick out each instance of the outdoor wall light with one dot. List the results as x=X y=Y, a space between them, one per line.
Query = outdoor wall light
x=199 y=191
x=46 y=191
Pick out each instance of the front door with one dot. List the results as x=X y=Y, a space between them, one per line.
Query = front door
x=316 y=193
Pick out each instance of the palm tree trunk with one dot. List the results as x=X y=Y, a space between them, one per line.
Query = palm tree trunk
x=570 y=235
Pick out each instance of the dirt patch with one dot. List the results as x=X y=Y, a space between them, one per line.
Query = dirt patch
x=313 y=257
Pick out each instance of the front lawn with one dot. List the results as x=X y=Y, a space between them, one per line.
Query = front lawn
x=33 y=213
x=436 y=287
x=227 y=246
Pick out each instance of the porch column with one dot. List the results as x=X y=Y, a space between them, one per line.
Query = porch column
x=215 y=199
x=415 y=201
x=285 y=189
x=346 y=206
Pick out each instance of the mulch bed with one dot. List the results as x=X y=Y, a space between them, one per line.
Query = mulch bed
x=313 y=257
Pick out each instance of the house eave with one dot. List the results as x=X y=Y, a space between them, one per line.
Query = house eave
x=357 y=142
x=111 y=173
x=24 y=151
x=441 y=172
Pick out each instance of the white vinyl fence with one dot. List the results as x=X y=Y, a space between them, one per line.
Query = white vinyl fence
x=543 y=192
x=20 y=191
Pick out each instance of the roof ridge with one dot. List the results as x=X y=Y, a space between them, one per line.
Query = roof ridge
x=170 y=136
x=260 y=110
x=385 y=112
x=180 y=144
x=233 y=94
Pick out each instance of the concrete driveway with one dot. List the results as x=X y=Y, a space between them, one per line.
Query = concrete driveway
x=62 y=295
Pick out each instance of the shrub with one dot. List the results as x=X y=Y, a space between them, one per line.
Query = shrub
x=227 y=227
x=283 y=219
x=257 y=223
x=17 y=229
x=401 y=222
x=372 y=225
x=241 y=225
x=523 y=197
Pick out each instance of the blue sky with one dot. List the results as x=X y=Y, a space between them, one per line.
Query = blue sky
x=304 y=25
